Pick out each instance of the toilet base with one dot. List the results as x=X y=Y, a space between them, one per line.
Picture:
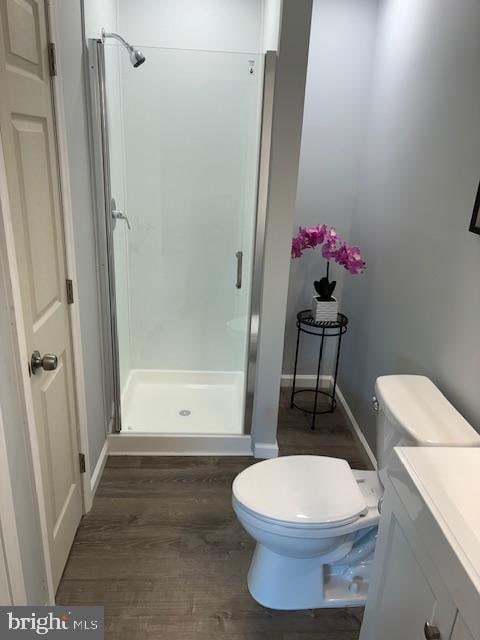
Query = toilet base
x=286 y=583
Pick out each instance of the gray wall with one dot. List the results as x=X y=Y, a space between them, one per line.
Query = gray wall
x=417 y=308
x=70 y=53
x=286 y=137
x=339 y=79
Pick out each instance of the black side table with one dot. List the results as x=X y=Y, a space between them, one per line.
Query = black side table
x=323 y=330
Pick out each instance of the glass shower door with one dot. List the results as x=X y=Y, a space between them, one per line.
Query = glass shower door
x=184 y=133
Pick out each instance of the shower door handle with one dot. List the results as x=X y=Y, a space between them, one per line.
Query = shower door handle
x=239 y=256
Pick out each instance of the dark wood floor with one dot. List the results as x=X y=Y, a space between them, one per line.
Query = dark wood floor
x=163 y=552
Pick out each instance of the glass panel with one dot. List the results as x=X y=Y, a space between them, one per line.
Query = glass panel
x=184 y=136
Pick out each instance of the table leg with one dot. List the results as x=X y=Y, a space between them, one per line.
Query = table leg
x=295 y=367
x=332 y=406
x=318 y=380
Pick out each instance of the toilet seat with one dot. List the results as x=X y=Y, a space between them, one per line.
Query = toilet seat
x=301 y=492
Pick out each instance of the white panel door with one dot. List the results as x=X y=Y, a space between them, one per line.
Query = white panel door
x=28 y=137
x=5 y=594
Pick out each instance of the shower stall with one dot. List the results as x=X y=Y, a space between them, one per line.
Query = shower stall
x=180 y=142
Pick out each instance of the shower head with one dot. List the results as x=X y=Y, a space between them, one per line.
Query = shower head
x=136 y=56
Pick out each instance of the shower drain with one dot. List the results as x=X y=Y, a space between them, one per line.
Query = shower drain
x=184 y=412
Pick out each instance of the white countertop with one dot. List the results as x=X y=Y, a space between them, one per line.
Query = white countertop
x=447 y=480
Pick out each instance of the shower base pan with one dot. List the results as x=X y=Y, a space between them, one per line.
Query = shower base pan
x=183 y=402
x=182 y=413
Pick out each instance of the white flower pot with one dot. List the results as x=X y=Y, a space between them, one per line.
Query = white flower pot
x=324 y=311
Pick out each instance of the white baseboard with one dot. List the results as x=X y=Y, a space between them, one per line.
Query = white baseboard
x=356 y=428
x=265 y=451
x=140 y=444
x=99 y=467
x=309 y=381
x=305 y=381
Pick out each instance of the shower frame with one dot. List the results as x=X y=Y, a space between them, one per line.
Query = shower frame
x=105 y=247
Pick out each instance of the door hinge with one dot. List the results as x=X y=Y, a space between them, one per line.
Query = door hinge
x=69 y=291
x=81 y=457
x=52 y=59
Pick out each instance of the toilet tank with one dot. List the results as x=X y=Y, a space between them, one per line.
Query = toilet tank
x=413 y=412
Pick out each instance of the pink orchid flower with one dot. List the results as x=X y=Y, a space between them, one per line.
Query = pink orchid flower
x=333 y=247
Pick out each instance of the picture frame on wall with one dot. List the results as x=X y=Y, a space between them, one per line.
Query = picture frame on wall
x=475 y=221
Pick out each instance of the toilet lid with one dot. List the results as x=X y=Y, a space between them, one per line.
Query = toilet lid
x=301 y=490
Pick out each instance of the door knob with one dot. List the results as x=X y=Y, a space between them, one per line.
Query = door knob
x=48 y=362
x=431 y=632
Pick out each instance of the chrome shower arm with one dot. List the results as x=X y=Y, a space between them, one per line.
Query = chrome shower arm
x=116 y=36
x=136 y=56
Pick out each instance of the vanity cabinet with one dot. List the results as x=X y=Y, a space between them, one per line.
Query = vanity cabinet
x=416 y=591
x=406 y=593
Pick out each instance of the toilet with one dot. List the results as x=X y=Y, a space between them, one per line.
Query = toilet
x=315 y=519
